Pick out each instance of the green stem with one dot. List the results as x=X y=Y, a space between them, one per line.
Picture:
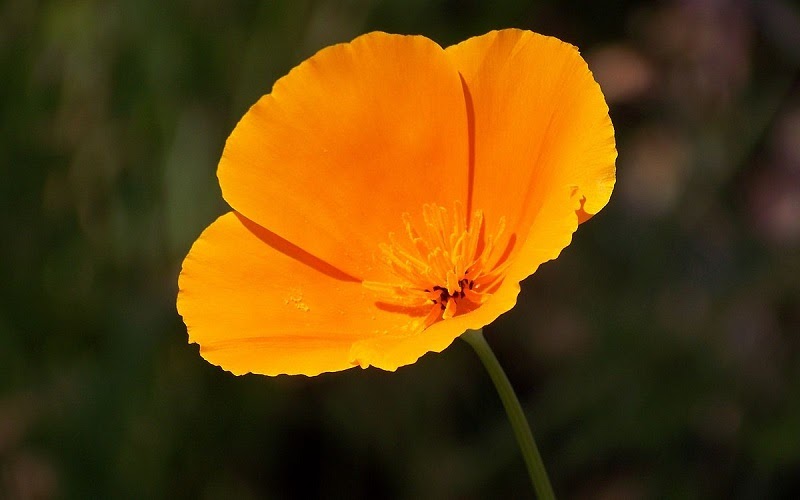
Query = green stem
x=536 y=470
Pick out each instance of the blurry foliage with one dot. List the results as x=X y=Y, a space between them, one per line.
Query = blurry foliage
x=659 y=356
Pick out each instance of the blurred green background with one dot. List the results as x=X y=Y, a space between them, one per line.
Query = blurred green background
x=658 y=357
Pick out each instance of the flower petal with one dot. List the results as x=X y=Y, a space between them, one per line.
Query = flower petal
x=256 y=303
x=397 y=349
x=543 y=140
x=346 y=143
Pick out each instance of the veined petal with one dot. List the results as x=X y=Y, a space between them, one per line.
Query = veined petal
x=255 y=303
x=543 y=139
x=397 y=348
x=346 y=143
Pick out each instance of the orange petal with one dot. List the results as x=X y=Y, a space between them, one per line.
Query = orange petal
x=543 y=139
x=397 y=349
x=253 y=308
x=346 y=143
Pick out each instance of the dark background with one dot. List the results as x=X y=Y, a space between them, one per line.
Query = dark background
x=658 y=357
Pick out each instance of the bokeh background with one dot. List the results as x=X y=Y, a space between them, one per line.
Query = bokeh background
x=658 y=357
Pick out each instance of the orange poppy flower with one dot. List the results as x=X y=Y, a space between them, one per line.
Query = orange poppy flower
x=390 y=194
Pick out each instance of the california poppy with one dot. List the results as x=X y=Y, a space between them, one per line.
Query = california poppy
x=389 y=194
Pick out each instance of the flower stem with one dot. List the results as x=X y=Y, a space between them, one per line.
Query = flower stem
x=536 y=470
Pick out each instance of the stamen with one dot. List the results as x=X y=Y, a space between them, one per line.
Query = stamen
x=450 y=264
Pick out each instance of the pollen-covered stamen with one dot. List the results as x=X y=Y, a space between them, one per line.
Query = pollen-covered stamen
x=446 y=264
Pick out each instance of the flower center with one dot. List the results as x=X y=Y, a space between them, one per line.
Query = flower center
x=446 y=267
